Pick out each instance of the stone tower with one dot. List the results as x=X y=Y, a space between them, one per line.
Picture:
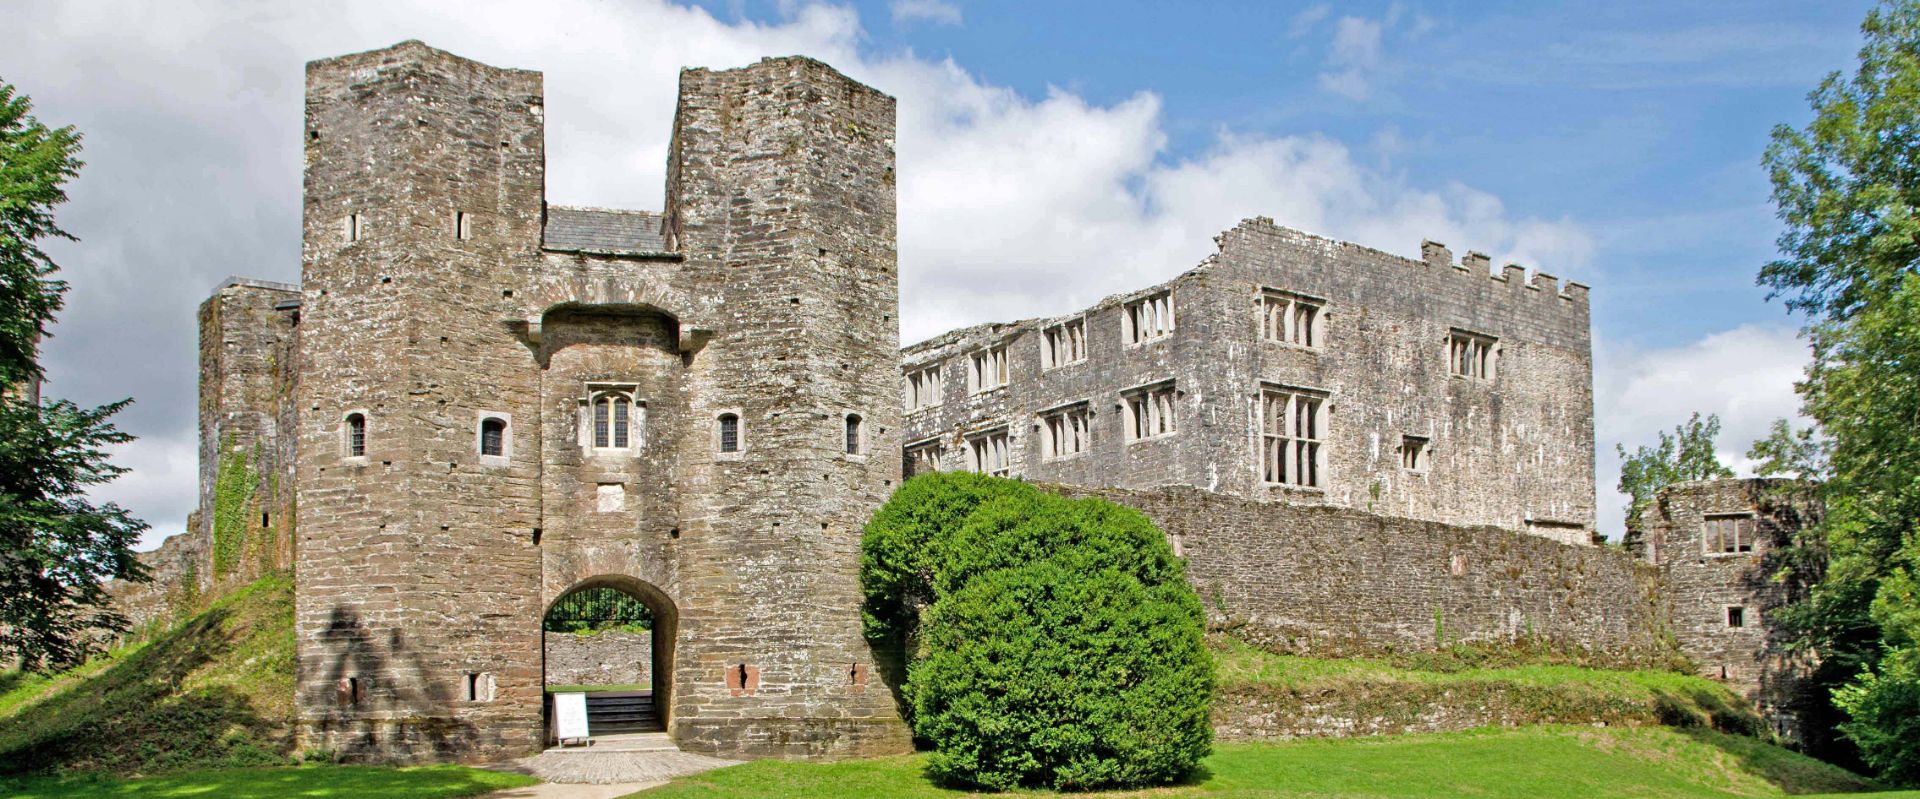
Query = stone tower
x=417 y=566
x=467 y=353
x=780 y=192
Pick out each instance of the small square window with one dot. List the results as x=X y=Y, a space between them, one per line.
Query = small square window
x=1736 y=616
x=1414 y=453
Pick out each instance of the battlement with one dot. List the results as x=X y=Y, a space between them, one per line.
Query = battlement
x=1434 y=256
x=253 y=282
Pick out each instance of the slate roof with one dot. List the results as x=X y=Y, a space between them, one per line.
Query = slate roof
x=602 y=230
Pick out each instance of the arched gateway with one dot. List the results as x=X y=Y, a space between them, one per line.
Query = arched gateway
x=612 y=638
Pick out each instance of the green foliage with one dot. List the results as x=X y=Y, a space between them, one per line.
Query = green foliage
x=597 y=610
x=1786 y=452
x=317 y=782
x=1883 y=710
x=1053 y=642
x=1044 y=675
x=1529 y=763
x=235 y=488
x=214 y=691
x=1686 y=454
x=1849 y=196
x=56 y=548
x=35 y=164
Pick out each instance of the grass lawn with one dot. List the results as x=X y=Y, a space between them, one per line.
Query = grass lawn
x=1523 y=763
x=430 y=782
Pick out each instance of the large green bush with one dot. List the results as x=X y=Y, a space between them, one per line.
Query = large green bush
x=1053 y=642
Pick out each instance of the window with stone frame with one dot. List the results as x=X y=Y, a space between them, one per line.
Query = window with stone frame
x=987 y=369
x=1151 y=411
x=1472 y=355
x=1736 y=616
x=1068 y=430
x=353 y=435
x=856 y=435
x=1293 y=436
x=990 y=453
x=727 y=433
x=350 y=228
x=925 y=387
x=613 y=420
x=1727 y=533
x=1289 y=318
x=1149 y=318
x=1414 y=453
x=462 y=225
x=1064 y=344
x=924 y=457
x=493 y=436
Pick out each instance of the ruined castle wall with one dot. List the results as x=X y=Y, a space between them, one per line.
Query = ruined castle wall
x=1336 y=581
x=417 y=569
x=612 y=657
x=1515 y=451
x=1704 y=584
x=781 y=196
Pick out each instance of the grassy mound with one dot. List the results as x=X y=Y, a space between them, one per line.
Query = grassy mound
x=214 y=691
x=426 y=782
x=1529 y=763
x=1264 y=695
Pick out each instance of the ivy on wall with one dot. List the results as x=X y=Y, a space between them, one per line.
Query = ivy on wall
x=234 y=486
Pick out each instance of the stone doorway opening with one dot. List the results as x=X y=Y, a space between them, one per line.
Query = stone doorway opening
x=611 y=639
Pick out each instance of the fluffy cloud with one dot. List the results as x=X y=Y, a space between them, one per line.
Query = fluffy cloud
x=1745 y=375
x=1011 y=205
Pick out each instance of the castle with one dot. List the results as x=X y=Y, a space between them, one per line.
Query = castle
x=475 y=404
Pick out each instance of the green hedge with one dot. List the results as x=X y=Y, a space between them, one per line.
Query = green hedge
x=1052 y=642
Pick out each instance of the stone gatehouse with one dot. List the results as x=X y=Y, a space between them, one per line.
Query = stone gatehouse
x=475 y=405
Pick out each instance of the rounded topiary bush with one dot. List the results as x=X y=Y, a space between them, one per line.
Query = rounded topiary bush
x=1051 y=642
x=1045 y=676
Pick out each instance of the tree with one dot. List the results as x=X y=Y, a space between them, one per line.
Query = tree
x=1686 y=454
x=1786 y=452
x=1847 y=188
x=56 y=547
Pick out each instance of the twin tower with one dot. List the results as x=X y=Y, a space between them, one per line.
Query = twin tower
x=501 y=402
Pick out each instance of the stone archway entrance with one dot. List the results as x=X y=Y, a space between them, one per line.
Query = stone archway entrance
x=611 y=637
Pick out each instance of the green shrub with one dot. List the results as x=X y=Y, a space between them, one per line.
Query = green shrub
x=1057 y=642
x=1044 y=676
x=898 y=551
x=1883 y=716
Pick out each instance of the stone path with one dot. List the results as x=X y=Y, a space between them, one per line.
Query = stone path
x=629 y=762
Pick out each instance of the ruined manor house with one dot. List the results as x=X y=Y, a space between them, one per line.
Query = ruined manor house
x=475 y=403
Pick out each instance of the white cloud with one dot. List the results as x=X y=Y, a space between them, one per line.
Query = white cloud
x=1010 y=205
x=1745 y=375
x=934 y=11
x=1353 y=57
x=1307 y=19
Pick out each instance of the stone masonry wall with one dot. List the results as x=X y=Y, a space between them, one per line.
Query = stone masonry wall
x=248 y=345
x=606 y=658
x=1335 y=581
x=1515 y=451
x=1704 y=585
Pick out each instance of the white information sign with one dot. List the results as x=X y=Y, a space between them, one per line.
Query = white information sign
x=570 y=716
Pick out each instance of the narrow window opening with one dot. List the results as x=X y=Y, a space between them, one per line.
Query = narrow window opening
x=265 y=519
x=493 y=437
x=356 y=435
x=854 y=434
x=1413 y=453
x=729 y=432
x=350 y=228
x=617 y=420
x=462 y=225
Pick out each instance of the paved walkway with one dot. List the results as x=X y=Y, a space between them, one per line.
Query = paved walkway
x=614 y=765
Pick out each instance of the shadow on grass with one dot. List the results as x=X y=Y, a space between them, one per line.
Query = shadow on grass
x=133 y=718
x=432 y=782
x=1790 y=771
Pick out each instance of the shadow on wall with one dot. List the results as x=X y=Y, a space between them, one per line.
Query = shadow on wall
x=374 y=716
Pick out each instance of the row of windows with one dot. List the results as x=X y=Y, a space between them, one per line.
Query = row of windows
x=1292 y=445
x=354 y=226
x=1286 y=318
x=613 y=422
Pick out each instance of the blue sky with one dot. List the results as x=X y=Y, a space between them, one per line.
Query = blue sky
x=1050 y=154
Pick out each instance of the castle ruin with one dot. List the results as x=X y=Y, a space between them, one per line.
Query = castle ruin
x=475 y=404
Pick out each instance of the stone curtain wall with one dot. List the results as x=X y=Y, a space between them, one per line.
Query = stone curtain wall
x=1334 y=581
x=607 y=658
